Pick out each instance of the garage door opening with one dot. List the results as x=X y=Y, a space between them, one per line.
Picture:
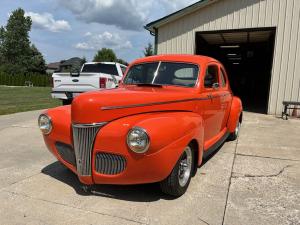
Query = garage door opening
x=247 y=56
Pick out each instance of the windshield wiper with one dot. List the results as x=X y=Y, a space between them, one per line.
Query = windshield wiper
x=149 y=85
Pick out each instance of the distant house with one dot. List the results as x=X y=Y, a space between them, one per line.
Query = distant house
x=52 y=67
x=71 y=64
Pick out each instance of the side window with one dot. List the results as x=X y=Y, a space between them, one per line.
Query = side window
x=223 y=78
x=211 y=76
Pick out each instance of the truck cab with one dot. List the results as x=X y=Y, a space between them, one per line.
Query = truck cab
x=92 y=76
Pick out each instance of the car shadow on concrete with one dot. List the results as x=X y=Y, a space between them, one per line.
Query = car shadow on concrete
x=136 y=193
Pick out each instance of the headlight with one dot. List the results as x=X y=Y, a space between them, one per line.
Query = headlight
x=45 y=124
x=138 y=140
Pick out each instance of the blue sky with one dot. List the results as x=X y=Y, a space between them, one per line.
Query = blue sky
x=66 y=28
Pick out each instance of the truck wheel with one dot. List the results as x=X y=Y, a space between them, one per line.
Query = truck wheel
x=67 y=101
x=234 y=135
x=178 y=181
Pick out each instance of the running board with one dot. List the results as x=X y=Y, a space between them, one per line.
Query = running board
x=213 y=148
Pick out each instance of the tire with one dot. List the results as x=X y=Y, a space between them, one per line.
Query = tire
x=178 y=181
x=67 y=101
x=86 y=189
x=234 y=135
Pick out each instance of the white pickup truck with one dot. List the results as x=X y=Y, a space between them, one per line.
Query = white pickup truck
x=92 y=76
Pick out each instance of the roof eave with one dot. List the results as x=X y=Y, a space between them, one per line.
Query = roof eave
x=151 y=27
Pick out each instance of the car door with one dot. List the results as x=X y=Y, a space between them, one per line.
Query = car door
x=213 y=115
x=225 y=94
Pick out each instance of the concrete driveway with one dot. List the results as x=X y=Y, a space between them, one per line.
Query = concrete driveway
x=253 y=181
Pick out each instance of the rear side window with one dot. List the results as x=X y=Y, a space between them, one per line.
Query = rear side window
x=223 y=78
x=100 y=68
x=211 y=76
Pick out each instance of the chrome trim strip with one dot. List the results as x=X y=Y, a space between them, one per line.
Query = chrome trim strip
x=160 y=103
x=88 y=125
x=151 y=104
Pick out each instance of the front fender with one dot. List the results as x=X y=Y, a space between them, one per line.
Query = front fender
x=235 y=112
x=169 y=132
x=61 y=132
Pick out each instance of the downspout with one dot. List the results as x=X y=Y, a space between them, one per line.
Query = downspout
x=155 y=40
x=154 y=32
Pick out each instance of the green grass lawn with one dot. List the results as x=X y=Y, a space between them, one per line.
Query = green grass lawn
x=21 y=99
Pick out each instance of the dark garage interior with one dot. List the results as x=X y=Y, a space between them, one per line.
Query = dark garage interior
x=247 y=56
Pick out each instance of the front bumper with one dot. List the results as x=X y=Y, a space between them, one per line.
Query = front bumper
x=138 y=169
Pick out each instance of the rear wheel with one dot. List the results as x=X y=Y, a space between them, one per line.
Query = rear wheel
x=178 y=181
x=234 y=135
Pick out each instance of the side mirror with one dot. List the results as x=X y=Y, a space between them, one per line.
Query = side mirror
x=215 y=85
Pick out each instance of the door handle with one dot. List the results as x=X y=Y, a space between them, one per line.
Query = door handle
x=209 y=96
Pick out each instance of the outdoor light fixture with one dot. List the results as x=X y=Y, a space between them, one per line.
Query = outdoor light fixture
x=236 y=59
x=229 y=46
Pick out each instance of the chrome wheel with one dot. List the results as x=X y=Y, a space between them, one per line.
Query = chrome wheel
x=237 y=129
x=185 y=167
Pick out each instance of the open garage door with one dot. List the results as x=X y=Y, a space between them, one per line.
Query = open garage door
x=247 y=56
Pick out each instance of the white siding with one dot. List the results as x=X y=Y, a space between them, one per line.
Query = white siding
x=179 y=37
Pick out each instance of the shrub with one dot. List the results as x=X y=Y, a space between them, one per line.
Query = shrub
x=38 y=80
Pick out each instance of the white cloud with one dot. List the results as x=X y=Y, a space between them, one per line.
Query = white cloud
x=104 y=40
x=124 y=14
x=88 y=34
x=83 y=46
x=173 y=5
x=47 y=22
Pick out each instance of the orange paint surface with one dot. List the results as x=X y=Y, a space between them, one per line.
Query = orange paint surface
x=173 y=116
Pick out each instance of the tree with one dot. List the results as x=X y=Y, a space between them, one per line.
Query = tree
x=2 y=30
x=148 y=50
x=83 y=60
x=15 y=43
x=122 y=62
x=17 y=55
x=105 y=55
x=37 y=63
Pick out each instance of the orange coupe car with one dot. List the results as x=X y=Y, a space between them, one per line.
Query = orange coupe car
x=169 y=112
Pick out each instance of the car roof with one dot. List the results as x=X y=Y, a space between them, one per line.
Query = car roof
x=197 y=59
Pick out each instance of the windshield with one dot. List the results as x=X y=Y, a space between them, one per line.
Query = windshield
x=163 y=73
x=100 y=68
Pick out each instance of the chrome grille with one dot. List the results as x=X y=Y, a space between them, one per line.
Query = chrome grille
x=83 y=138
x=110 y=164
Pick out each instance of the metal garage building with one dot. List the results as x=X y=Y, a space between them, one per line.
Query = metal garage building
x=258 y=41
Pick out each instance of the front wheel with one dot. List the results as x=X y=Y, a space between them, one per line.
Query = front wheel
x=178 y=181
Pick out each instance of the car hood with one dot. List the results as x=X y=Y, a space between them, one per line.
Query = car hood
x=108 y=105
